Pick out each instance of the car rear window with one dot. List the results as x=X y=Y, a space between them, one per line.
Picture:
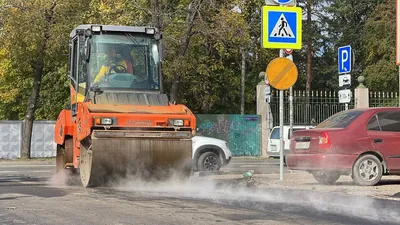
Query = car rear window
x=340 y=120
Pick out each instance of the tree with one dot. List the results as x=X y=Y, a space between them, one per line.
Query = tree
x=345 y=21
x=214 y=79
x=313 y=41
x=32 y=44
x=43 y=14
x=380 y=48
x=213 y=49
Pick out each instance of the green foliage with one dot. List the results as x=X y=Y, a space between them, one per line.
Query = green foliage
x=204 y=57
x=23 y=29
x=345 y=22
x=380 y=48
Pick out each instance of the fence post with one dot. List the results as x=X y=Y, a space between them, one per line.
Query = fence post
x=263 y=109
x=361 y=94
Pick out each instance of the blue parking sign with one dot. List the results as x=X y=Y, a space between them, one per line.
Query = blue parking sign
x=283 y=2
x=344 y=59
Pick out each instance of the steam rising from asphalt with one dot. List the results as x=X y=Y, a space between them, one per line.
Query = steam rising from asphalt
x=64 y=178
x=236 y=192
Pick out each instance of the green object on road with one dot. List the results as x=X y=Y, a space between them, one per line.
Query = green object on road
x=247 y=175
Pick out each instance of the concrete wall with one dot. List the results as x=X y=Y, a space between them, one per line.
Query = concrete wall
x=42 y=144
x=10 y=139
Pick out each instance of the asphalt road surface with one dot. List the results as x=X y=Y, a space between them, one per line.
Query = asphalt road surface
x=30 y=194
x=46 y=168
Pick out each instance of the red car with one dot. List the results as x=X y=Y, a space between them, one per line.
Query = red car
x=362 y=143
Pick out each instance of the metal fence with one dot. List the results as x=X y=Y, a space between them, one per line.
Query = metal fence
x=311 y=108
x=383 y=99
x=42 y=144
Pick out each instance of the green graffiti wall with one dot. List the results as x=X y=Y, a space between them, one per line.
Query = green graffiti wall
x=242 y=132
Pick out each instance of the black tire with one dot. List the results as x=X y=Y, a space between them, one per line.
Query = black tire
x=367 y=170
x=68 y=175
x=326 y=178
x=208 y=161
x=64 y=155
x=60 y=159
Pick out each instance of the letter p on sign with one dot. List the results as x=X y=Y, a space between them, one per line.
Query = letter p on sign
x=344 y=59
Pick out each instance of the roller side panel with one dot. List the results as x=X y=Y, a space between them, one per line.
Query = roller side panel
x=63 y=127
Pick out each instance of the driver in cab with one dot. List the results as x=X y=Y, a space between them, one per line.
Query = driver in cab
x=114 y=65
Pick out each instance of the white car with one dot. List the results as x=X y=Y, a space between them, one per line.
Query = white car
x=209 y=154
x=273 y=148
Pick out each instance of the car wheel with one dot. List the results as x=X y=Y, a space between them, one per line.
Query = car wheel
x=327 y=178
x=209 y=161
x=367 y=171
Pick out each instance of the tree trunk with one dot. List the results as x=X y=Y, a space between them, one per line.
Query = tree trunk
x=30 y=112
x=191 y=16
x=34 y=97
x=242 y=97
x=309 y=47
x=157 y=14
x=174 y=88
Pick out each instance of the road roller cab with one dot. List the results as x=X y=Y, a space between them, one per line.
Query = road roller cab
x=119 y=120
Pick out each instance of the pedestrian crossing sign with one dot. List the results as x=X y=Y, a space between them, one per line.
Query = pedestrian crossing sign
x=281 y=27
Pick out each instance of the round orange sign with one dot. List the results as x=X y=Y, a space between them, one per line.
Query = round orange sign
x=282 y=73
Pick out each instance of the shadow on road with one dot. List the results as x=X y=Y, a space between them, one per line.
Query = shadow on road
x=31 y=190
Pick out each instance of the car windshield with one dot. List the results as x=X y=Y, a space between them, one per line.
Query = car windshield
x=275 y=133
x=340 y=120
x=123 y=61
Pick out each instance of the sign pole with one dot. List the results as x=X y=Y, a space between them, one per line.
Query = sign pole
x=291 y=110
x=282 y=74
x=290 y=105
x=281 y=143
x=281 y=125
x=281 y=29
